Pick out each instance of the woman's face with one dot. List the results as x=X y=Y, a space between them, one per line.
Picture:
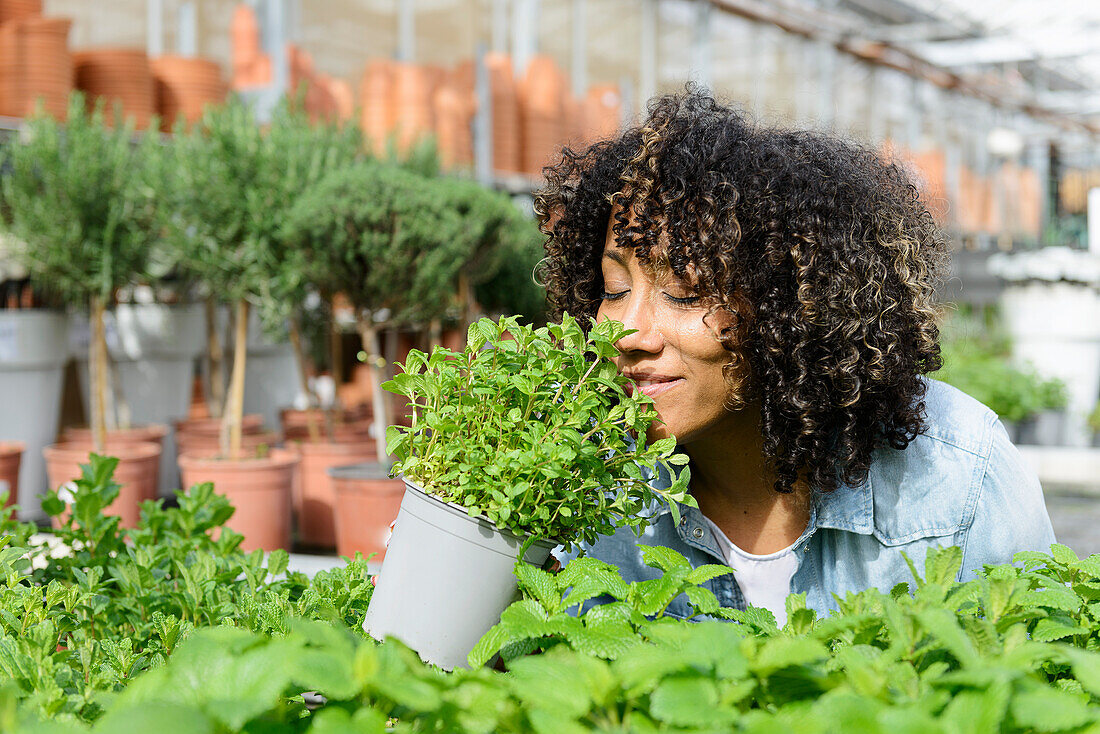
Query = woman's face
x=674 y=357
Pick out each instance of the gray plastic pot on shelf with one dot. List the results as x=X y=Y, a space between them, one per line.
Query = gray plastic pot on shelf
x=446 y=579
x=33 y=352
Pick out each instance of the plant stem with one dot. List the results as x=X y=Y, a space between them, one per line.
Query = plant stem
x=97 y=365
x=215 y=393
x=231 y=421
x=303 y=381
x=368 y=333
x=336 y=352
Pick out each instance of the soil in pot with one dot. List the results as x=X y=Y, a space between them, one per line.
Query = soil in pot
x=348 y=426
x=259 y=488
x=446 y=579
x=138 y=467
x=11 y=452
x=314 y=497
x=366 y=502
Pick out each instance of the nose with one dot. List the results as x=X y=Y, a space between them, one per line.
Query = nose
x=638 y=314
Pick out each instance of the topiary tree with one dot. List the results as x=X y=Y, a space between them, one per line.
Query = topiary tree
x=514 y=289
x=77 y=197
x=235 y=183
x=391 y=243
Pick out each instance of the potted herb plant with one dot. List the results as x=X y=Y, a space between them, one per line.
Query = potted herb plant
x=525 y=440
x=230 y=174
x=74 y=195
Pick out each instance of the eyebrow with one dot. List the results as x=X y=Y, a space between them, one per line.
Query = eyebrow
x=614 y=255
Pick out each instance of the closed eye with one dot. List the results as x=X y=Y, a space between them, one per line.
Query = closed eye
x=613 y=296
x=685 y=301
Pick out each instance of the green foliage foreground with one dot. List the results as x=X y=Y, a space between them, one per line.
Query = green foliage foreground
x=172 y=630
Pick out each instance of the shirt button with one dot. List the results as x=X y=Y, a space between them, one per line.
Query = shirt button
x=698 y=533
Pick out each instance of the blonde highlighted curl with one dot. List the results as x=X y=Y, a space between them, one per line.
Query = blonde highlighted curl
x=822 y=252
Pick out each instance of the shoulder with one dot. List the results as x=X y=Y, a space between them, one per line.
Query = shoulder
x=929 y=488
x=962 y=471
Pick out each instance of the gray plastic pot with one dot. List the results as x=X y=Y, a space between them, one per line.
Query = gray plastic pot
x=33 y=351
x=446 y=579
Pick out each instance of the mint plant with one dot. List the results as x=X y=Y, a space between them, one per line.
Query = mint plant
x=534 y=430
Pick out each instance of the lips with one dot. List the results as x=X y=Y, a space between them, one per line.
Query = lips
x=651 y=384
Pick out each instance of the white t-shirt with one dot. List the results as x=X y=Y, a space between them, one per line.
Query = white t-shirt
x=765 y=581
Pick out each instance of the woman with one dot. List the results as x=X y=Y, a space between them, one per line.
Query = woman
x=781 y=287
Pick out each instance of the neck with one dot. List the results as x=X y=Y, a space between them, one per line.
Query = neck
x=735 y=486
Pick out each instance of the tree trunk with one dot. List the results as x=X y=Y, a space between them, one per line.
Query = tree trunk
x=303 y=381
x=435 y=334
x=336 y=352
x=97 y=372
x=215 y=385
x=234 y=415
x=368 y=332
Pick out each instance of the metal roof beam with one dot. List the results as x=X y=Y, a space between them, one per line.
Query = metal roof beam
x=1003 y=50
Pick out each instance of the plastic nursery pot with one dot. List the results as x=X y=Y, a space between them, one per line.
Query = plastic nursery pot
x=446 y=579
x=33 y=349
x=314 y=498
x=11 y=452
x=259 y=489
x=366 y=502
x=138 y=467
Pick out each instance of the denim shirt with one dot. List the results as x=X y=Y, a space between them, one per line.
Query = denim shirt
x=960 y=482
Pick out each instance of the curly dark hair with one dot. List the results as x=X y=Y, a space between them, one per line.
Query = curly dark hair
x=822 y=252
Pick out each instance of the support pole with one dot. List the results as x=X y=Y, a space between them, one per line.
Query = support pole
x=647 y=53
x=154 y=27
x=406 y=30
x=701 y=44
x=579 y=49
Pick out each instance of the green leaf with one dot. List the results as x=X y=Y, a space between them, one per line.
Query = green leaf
x=689 y=701
x=540 y=584
x=1048 y=710
x=702 y=574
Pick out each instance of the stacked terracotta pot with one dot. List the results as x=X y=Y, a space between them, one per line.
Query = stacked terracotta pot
x=453 y=106
x=122 y=77
x=413 y=89
x=507 y=151
x=602 y=111
x=35 y=65
x=375 y=95
x=542 y=95
x=184 y=87
x=251 y=67
x=19 y=9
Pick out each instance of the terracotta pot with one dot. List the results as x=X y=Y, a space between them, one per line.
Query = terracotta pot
x=505 y=113
x=151 y=434
x=184 y=87
x=19 y=9
x=35 y=66
x=121 y=76
x=314 y=499
x=376 y=97
x=137 y=471
x=11 y=452
x=251 y=423
x=259 y=488
x=210 y=443
x=346 y=426
x=367 y=501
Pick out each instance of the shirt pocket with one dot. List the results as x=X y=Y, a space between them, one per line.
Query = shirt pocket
x=928 y=494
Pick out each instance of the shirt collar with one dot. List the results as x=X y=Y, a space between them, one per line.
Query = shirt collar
x=849 y=508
